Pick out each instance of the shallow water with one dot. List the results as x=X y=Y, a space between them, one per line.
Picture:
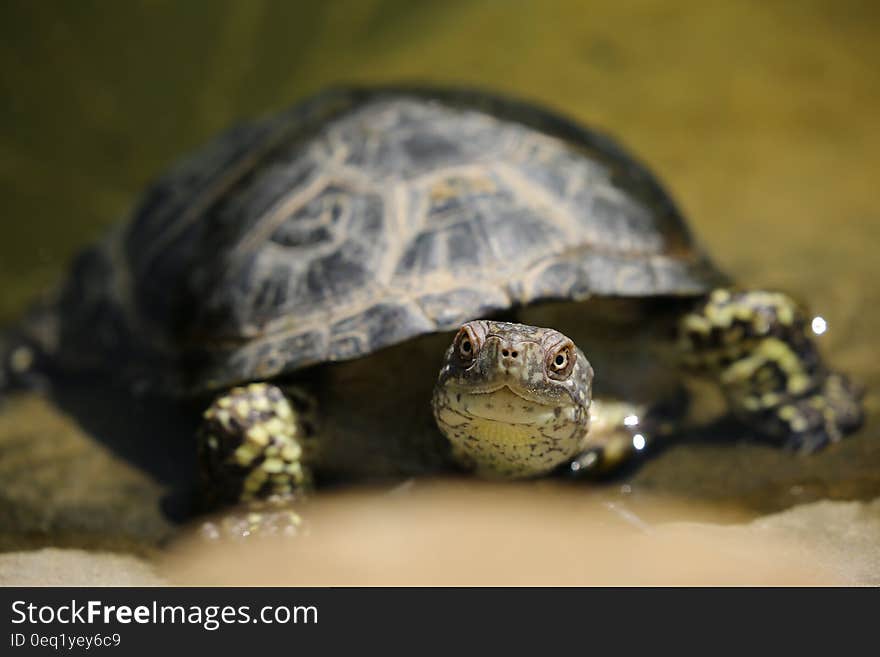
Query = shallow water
x=760 y=117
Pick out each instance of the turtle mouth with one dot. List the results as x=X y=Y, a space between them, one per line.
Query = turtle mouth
x=506 y=406
x=502 y=387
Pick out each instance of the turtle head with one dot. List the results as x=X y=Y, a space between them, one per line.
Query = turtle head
x=513 y=400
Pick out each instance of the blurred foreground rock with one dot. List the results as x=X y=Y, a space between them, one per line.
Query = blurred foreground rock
x=464 y=534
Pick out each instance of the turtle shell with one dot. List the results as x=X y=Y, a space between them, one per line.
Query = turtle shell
x=363 y=217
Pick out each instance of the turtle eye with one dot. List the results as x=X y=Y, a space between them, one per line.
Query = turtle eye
x=466 y=345
x=560 y=361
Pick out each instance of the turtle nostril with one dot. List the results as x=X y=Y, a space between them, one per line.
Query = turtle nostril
x=514 y=354
x=505 y=353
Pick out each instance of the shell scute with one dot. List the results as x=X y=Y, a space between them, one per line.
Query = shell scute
x=362 y=218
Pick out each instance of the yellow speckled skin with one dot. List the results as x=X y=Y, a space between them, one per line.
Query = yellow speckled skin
x=758 y=347
x=253 y=443
x=513 y=399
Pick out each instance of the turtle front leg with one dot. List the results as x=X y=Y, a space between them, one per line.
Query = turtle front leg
x=255 y=444
x=621 y=431
x=759 y=347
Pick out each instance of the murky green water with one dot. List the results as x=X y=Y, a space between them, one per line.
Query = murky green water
x=761 y=117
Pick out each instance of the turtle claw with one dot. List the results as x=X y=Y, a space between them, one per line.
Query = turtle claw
x=824 y=417
x=270 y=518
x=587 y=463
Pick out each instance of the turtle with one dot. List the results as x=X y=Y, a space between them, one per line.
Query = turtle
x=390 y=281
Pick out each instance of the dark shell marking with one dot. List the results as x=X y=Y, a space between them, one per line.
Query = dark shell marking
x=361 y=218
